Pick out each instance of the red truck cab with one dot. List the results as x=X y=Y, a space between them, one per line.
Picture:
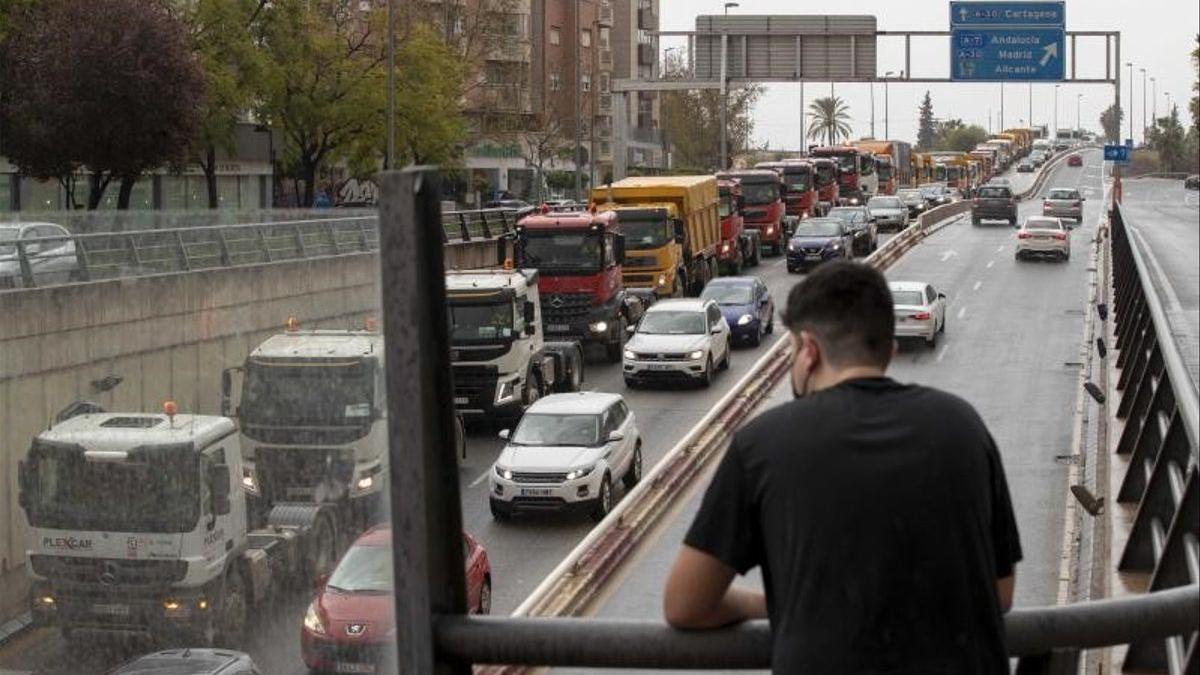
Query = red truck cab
x=730 y=253
x=828 y=190
x=763 y=196
x=579 y=256
x=856 y=172
x=799 y=179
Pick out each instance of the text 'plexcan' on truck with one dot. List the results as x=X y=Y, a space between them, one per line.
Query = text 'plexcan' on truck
x=856 y=172
x=579 y=256
x=138 y=523
x=501 y=359
x=672 y=230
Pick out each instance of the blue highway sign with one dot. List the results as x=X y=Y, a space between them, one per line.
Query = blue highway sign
x=1001 y=54
x=1025 y=14
x=1116 y=153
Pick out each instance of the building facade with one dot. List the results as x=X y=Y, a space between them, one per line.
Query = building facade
x=635 y=56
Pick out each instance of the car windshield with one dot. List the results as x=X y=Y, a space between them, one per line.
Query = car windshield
x=728 y=294
x=299 y=393
x=364 y=569
x=884 y=203
x=547 y=429
x=8 y=238
x=667 y=322
x=1043 y=224
x=645 y=232
x=994 y=193
x=910 y=195
x=1064 y=194
x=931 y=192
x=908 y=298
x=563 y=251
x=848 y=215
x=760 y=193
x=816 y=227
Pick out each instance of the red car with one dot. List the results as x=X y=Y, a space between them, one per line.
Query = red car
x=351 y=618
x=1074 y=160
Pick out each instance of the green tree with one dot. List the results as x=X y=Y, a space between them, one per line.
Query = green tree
x=323 y=82
x=1169 y=140
x=1194 y=104
x=1110 y=121
x=959 y=137
x=925 y=130
x=429 y=85
x=691 y=119
x=830 y=118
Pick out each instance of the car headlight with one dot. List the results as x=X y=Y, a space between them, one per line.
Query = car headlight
x=505 y=391
x=854 y=201
x=506 y=474
x=835 y=246
x=696 y=355
x=249 y=480
x=662 y=280
x=598 y=326
x=631 y=355
x=744 y=319
x=312 y=620
x=581 y=472
x=793 y=246
x=803 y=215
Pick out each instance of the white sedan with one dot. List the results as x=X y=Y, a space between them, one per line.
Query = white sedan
x=1043 y=235
x=679 y=340
x=920 y=310
x=566 y=453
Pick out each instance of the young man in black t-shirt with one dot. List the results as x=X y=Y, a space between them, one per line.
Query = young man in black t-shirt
x=879 y=512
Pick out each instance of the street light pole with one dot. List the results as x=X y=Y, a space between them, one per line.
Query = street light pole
x=1144 y=127
x=389 y=161
x=872 y=85
x=1001 y=120
x=1031 y=105
x=1078 y=99
x=1130 y=64
x=1154 y=101
x=886 y=132
x=578 y=111
x=1056 y=113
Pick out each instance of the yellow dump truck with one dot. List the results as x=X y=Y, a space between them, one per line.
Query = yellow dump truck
x=672 y=229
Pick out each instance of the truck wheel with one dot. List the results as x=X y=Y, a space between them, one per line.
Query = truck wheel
x=604 y=501
x=706 y=380
x=232 y=622
x=532 y=390
x=634 y=474
x=615 y=348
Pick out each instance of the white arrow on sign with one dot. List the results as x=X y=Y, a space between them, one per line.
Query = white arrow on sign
x=962 y=12
x=1051 y=50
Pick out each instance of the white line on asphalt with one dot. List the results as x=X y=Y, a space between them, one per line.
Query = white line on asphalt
x=1000 y=248
x=962 y=312
x=942 y=352
x=946 y=255
x=482 y=477
x=990 y=263
x=977 y=285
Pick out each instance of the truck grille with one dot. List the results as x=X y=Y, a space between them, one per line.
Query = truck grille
x=490 y=353
x=640 y=261
x=288 y=473
x=564 y=308
x=474 y=386
x=543 y=478
x=109 y=571
x=754 y=213
x=639 y=279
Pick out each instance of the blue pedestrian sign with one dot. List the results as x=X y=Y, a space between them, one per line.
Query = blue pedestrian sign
x=1116 y=153
x=1044 y=14
x=993 y=55
x=1007 y=41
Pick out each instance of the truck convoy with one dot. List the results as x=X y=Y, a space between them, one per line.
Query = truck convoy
x=672 y=231
x=800 y=186
x=763 y=192
x=894 y=163
x=501 y=360
x=579 y=256
x=856 y=172
x=173 y=556
x=740 y=245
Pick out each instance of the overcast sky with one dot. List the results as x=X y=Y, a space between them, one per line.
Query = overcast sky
x=1155 y=34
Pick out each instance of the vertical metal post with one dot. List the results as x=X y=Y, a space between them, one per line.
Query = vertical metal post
x=1117 y=83
x=427 y=554
x=1130 y=64
x=578 y=110
x=1073 y=59
x=907 y=56
x=1031 y=105
x=620 y=118
x=1001 y=124
x=389 y=161
x=724 y=152
x=886 y=109
x=1144 y=127
x=871 y=84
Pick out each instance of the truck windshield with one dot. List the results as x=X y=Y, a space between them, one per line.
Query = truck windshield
x=308 y=393
x=563 y=251
x=846 y=163
x=483 y=322
x=885 y=172
x=760 y=193
x=824 y=175
x=646 y=232
x=156 y=489
x=726 y=205
x=797 y=182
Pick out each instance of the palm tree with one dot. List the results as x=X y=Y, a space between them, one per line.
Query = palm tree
x=831 y=119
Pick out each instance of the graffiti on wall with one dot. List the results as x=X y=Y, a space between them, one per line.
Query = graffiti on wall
x=355 y=192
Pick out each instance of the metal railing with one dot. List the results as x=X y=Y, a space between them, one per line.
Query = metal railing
x=46 y=261
x=436 y=636
x=1158 y=402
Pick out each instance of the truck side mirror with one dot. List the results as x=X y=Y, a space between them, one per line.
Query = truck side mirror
x=218 y=483
x=619 y=249
x=24 y=485
x=679 y=233
x=530 y=318
x=741 y=203
x=502 y=250
x=227 y=390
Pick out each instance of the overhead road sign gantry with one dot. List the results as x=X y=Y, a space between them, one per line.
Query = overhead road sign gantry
x=1007 y=41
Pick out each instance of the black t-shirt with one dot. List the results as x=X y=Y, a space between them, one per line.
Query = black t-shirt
x=881 y=518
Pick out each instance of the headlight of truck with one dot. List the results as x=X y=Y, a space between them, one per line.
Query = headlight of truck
x=745 y=319
x=598 y=326
x=696 y=355
x=580 y=473
x=662 y=280
x=630 y=354
x=249 y=480
x=505 y=391
x=312 y=620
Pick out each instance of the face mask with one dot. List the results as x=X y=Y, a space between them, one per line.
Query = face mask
x=803 y=390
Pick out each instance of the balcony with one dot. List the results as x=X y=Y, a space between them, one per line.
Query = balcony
x=605 y=103
x=647 y=19
x=606 y=59
x=645 y=135
x=646 y=55
x=605 y=15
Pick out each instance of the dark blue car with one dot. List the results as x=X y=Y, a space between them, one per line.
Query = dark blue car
x=747 y=306
x=817 y=240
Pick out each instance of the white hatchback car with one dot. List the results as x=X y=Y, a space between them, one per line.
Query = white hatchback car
x=1043 y=235
x=920 y=310
x=678 y=340
x=566 y=452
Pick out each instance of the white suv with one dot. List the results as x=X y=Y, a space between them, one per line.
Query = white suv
x=677 y=340
x=566 y=453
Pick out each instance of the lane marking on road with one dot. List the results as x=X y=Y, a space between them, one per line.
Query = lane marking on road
x=942 y=352
x=1000 y=248
x=977 y=285
x=482 y=477
x=962 y=312
x=946 y=255
x=990 y=263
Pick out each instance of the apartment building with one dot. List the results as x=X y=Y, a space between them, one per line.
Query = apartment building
x=635 y=56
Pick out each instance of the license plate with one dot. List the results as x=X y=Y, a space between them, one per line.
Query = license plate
x=344 y=667
x=461 y=400
x=535 y=492
x=557 y=327
x=658 y=366
x=813 y=256
x=111 y=610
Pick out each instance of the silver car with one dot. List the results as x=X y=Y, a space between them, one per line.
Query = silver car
x=48 y=249
x=1043 y=236
x=920 y=311
x=678 y=340
x=1063 y=203
x=888 y=212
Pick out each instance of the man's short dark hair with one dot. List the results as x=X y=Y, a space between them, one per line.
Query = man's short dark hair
x=848 y=307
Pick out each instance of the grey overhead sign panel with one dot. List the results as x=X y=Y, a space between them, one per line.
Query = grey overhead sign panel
x=787 y=47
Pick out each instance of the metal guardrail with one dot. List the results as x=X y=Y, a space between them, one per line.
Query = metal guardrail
x=44 y=261
x=1159 y=405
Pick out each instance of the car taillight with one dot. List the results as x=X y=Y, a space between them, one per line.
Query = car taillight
x=1060 y=235
x=1023 y=235
x=920 y=316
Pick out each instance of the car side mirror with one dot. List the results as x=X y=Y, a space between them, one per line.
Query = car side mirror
x=616 y=437
x=530 y=312
x=741 y=203
x=716 y=330
x=218 y=483
x=631 y=329
x=942 y=296
x=619 y=249
x=227 y=390
x=505 y=434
